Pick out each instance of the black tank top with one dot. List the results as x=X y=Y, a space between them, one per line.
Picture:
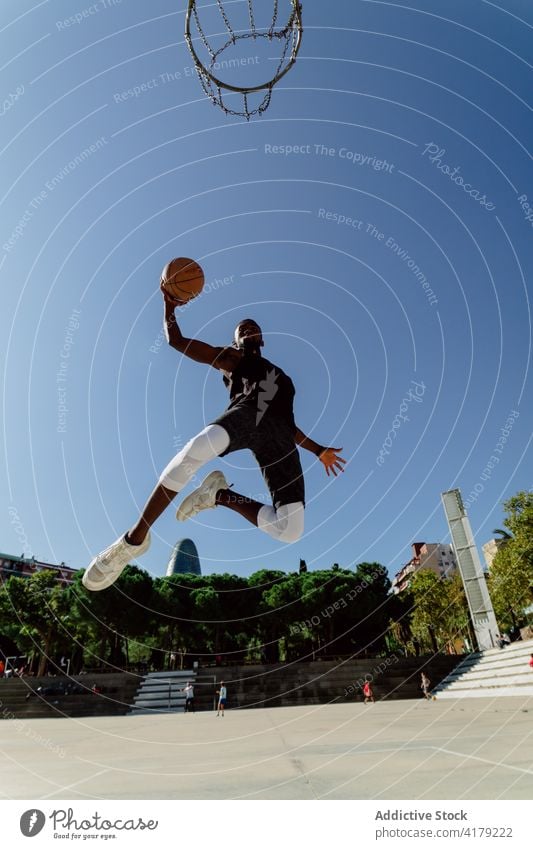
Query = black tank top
x=256 y=382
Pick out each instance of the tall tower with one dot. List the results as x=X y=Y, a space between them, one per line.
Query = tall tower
x=477 y=593
x=184 y=559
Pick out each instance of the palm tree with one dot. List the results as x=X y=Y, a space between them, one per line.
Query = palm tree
x=505 y=535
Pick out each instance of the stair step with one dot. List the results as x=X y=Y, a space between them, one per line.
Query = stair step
x=485 y=692
x=185 y=674
x=508 y=680
x=162 y=692
x=143 y=711
x=496 y=672
x=501 y=672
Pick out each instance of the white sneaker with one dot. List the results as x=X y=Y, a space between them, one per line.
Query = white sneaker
x=108 y=565
x=203 y=497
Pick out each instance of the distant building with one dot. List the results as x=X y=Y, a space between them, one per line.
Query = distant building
x=25 y=567
x=490 y=550
x=436 y=556
x=184 y=559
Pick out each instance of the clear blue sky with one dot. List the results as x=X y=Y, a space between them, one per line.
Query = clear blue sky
x=386 y=101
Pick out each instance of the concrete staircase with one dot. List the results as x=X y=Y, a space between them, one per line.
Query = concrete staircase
x=162 y=692
x=497 y=672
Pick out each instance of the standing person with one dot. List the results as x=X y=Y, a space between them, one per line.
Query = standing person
x=531 y=661
x=368 y=692
x=260 y=418
x=425 y=684
x=222 y=696
x=189 y=697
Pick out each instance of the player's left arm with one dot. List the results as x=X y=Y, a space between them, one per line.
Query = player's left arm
x=329 y=457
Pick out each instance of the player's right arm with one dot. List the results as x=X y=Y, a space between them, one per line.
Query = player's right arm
x=329 y=457
x=224 y=359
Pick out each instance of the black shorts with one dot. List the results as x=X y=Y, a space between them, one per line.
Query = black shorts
x=272 y=444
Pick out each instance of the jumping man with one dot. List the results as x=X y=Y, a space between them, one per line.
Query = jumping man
x=259 y=417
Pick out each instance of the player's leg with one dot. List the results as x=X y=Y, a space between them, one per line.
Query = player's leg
x=278 y=458
x=108 y=565
x=245 y=507
x=280 y=465
x=159 y=500
x=284 y=523
x=208 y=444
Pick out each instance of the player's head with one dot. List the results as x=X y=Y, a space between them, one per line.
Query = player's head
x=248 y=335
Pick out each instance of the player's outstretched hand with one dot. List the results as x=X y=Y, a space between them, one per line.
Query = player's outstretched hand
x=168 y=299
x=331 y=460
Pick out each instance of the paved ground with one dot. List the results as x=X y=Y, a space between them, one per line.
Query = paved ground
x=453 y=749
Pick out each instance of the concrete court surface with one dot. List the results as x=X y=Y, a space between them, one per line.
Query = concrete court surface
x=449 y=749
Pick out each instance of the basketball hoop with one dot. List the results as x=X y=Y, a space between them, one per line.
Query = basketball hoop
x=221 y=50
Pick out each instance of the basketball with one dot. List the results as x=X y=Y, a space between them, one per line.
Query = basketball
x=182 y=279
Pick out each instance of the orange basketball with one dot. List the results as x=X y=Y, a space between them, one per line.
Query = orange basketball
x=182 y=278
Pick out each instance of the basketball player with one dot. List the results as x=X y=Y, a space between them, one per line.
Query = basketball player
x=259 y=417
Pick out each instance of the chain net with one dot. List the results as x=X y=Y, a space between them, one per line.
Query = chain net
x=255 y=98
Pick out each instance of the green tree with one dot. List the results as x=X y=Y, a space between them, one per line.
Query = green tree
x=457 y=617
x=31 y=611
x=178 y=627
x=440 y=612
x=281 y=612
x=511 y=574
x=105 y=621
x=236 y=622
x=504 y=535
x=399 y=635
x=264 y=626
x=373 y=607
x=330 y=612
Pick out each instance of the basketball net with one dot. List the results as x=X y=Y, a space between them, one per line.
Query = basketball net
x=288 y=36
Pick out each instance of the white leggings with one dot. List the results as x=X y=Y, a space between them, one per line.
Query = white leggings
x=286 y=523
